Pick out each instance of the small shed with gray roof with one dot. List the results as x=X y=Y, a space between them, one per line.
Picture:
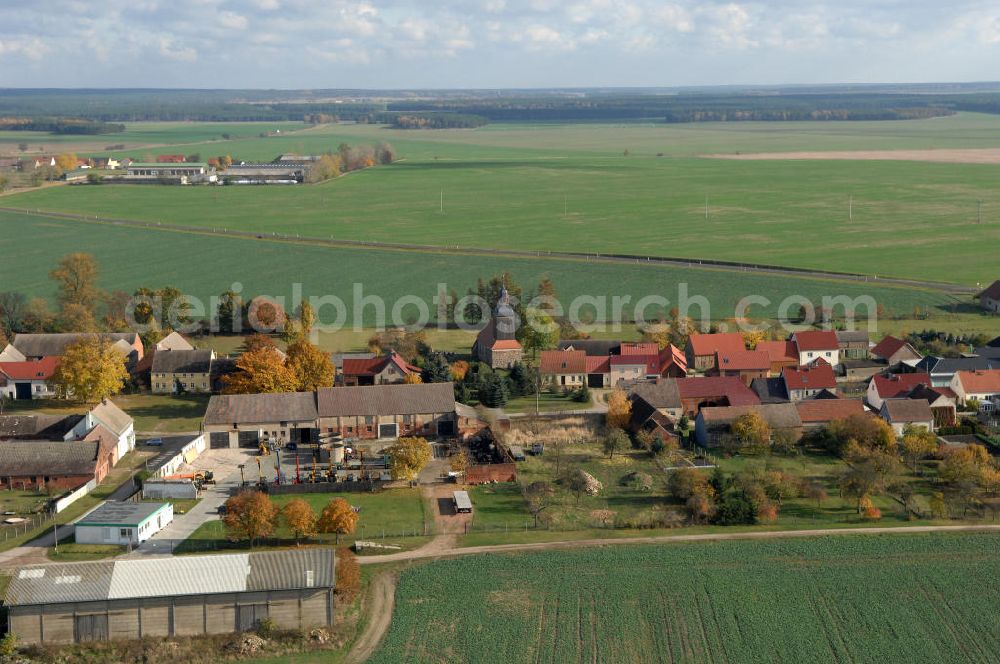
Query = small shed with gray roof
x=123 y=523
x=134 y=598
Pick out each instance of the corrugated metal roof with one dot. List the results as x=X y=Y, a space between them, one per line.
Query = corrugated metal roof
x=180 y=575
x=310 y=568
x=261 y=408
x=19 y=458
x=173 y=576
x=74 y=582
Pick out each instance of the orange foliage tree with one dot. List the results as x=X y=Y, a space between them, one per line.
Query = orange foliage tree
x=250 y=515
x=338 y=517
x=300 y=518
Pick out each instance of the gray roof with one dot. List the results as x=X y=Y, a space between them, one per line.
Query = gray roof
x=43 y=345
x=907 y=410
x=662 y=393
x=261 y=408
x=770 y=390
x=112 y=417
x=20 y=458
x=386 y=399
x=182 y=361
x=41 y=426
x=777 y=415
x=114 y=513
x=592 y=347
x=950 y=365
x=852 y=336
x=172 y=576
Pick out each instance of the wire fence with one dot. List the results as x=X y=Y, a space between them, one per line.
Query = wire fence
x=15 y=530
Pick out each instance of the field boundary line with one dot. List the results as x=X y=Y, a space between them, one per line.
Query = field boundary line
x=419 y=554
x=614 y=258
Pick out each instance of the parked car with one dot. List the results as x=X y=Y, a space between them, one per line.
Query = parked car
x=292 y=446
x=155 y=442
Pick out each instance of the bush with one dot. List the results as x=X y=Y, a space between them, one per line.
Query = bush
x=266 y=628
x=8 y=644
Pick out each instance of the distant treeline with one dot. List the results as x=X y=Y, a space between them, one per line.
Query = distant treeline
x=475 y=108
x=60 y=125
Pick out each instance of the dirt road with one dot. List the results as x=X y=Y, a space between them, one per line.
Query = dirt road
x=379 y=610
x=436 y=552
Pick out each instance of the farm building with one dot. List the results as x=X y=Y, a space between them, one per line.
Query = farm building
x=123 y=523
x=463 y=504
x=160 y=489
x=901 y=413
x=389 y=369
x=180 y=172
x=854 y=344
x=702 y=349
x=167 y=597
x=368 y=412
x=38 y=346
x=989 y=299
x=53 y=465
x=181 y=371
x=815 y=345
x=714 y=424
x=28 y=379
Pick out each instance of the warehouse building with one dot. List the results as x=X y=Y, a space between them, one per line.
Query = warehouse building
x=166 y=597
x=125 y=524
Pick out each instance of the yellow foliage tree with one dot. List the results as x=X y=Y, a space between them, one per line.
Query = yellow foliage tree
x=619 y=409
x=752 y=430
x=300 y=518
x=90 y=370
x=262 y=370
x=338 y=517
x=413 y=379
x=66 y=161
x=458 y=369
x=312 y=367
x=407 y=457
x=76 y=277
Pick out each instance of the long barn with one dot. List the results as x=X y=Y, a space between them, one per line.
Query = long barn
x=163 y=597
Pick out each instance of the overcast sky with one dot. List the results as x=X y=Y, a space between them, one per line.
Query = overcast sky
x=492 y=43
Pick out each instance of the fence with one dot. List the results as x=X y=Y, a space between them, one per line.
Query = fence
x=16 y=530
x=371 y=486
x=71 y=497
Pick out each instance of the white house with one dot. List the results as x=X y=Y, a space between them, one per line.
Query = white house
x=124 y=524
x=28 y=379
x=983 y=386
x=107 y=420
x=893 y=386
x=989 y=299
x=900 y=413
x=814 y=345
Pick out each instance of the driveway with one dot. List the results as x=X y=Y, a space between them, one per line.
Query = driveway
x=225 y=464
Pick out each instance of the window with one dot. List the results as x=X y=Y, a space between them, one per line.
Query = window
x=828 y=353
x=125 y=533
x=369 y=419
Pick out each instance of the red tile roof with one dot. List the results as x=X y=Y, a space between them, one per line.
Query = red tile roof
x=824 y=410
x=816 y=340
x=898 y=385
x=31 y=370
x=596 y=365
x=710 y=344
x=817 y=377
x=563 y=362
x=780 y=351
x=673 y=355
x=980 y=382
x=506 y=344
x=888 y=346
x=375 y=365
x=730 y=387
x=746 y=360
x=638 y=349
x=652 y=362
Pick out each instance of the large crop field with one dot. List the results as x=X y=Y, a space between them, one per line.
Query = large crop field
x=207 y=265
x=893 y=598
x=603 y=188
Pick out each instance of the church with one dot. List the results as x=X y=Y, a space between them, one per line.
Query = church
x=497 y=344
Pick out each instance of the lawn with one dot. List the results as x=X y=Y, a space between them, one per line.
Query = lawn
x=547 y=402
x=71 y=552
x=576 y=191
x=22 y=501
x=398 y=515
x=888 y=598
x=153 y=413
x=33 y=244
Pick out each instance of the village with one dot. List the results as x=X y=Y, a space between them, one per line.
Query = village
x=299 y=453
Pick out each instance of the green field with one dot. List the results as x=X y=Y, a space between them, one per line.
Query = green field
x=570 y=187
x=893 y=598
x=204 y=266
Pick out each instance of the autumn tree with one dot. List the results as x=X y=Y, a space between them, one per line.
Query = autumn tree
x=76 y=318
x=619 y=409
x=90 y=370
x=258 y=371
x=863 y=430
x=459 y=462
x=250 y=515
x=66 y=161
x=265 y=315
x=752 y=431
x=311 y=366
x=917 y=444
x=412 y=379
x=407 y=457
x=13 y=306
x=539 y=496
x=540 y=332
x=300 y=518
x=338 y=517
x=76 y=277
x=348 y=574
x=816 y=491
x=615 y=441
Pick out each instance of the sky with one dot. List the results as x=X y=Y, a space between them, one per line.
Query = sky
x=303 y=44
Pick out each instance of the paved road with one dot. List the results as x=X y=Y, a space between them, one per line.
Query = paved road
x=426 y=552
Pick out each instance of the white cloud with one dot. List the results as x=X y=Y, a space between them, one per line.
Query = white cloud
x=233 y=21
